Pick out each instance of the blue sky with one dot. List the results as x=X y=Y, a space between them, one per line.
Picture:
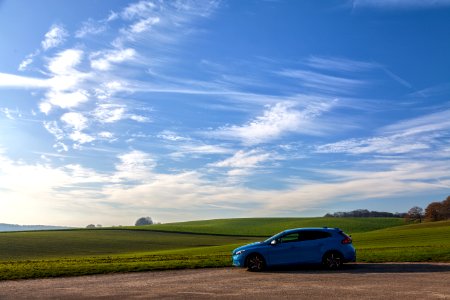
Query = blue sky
x=184 y=110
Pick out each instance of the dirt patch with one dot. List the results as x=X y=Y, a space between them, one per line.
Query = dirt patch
x=375 y=281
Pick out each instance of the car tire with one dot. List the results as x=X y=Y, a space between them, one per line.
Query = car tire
x=255 y=263
x=332 y=260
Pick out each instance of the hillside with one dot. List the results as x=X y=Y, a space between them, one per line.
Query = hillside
x=14 y=227
x=415 y=242
x=264 y=227
x=79 y=252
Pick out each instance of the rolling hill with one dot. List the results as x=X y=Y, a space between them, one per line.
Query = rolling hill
x=39 y=254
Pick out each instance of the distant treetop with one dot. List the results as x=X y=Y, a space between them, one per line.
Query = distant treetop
x=364 y=213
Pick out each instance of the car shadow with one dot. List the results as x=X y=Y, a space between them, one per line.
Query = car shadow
x=362 y=268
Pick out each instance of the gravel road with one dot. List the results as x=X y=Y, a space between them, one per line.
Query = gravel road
x=355 y=281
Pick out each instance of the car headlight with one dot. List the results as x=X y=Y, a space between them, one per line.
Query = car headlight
x=239 y=252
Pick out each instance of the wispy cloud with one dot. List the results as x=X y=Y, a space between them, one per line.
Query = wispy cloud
x=421 y=125
x=400 y=4
x=276 y=121
x=244 y=159
x=325 y=83
x=74 y=188
x=408 y=136
x=340 y=64
x=395 y=144
x=103 y=60
x=91 y=27
x=54 y=37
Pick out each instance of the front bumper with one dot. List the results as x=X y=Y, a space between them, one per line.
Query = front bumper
x=238 y=260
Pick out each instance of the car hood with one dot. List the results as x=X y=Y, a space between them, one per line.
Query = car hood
x=246 y=247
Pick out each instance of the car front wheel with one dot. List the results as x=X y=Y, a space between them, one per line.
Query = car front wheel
x=332 y=260
x=255 y=263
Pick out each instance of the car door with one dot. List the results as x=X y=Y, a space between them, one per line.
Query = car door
x=310 y=245
x=282 y=251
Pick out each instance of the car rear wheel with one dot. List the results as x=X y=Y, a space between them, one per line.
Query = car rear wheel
x=255 y=263
x=332 y=260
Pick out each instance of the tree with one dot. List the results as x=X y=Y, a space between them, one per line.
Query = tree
x=433 y=212
x=438 y=211
x=446 y=208
x=144 y=221
x=90 y=226
x=414 y=214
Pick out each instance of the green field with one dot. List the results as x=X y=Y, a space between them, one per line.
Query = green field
x=158 y=247
x=264 y=227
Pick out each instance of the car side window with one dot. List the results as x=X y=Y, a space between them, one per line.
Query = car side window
x=313 y=235
x=288 y=238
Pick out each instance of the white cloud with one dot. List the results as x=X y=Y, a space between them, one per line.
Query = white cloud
x=90 y=27
x=144 y=24
x=134 y=165
x=104 y=60
x=54 y=37
x=66 y=81
x=53 y=128
x=15 y=81
x=81 y=137
x=138 y=10
x=173 y=18
x=106 y=134
x=64 y=62
x=73 y=195
x=276 y=121
x=75 y=120
x=408 y=136
x=420 y=125
x=171 y=136
x=25 y=63
x=109 y=113
x=109 y=89
x=61 y=147
x=112 y=16
x=198 y=149
x=138 y=118
x=10 y=114
x=382 y=145
x=243 y=159
x=64 y=100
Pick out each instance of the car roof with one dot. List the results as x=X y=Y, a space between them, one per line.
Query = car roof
x=311 y=229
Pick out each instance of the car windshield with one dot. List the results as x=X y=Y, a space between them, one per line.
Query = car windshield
x=274 y=237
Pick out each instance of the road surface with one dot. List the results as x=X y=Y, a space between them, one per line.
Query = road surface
x=355 y=281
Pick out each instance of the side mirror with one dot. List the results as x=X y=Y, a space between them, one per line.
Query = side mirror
x=273 y=242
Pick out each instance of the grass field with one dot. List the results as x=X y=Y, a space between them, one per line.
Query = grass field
x=264 y=227
x=80 y=252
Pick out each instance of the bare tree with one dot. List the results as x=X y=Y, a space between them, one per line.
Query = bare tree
x=414 y=214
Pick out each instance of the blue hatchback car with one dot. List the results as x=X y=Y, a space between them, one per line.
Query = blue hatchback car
x=328 y=246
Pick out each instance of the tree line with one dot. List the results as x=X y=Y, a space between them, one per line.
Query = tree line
x=364 y=213
x=435 y=211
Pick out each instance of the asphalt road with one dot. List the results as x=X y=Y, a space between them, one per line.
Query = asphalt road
x=355 y=281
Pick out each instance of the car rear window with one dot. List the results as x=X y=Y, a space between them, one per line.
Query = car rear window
x=313 y=235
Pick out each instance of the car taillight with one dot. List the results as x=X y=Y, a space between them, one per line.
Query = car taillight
x=347 y=240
